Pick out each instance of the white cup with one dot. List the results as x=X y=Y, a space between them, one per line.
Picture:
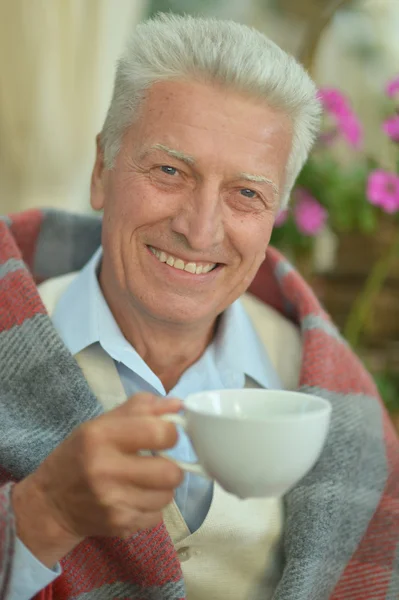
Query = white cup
x=254 y=442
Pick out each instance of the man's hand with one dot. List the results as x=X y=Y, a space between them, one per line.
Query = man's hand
x=97 y=484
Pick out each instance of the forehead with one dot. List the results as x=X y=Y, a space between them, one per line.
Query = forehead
x=208 y=121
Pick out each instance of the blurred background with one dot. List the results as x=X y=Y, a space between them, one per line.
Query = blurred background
x=57 y=62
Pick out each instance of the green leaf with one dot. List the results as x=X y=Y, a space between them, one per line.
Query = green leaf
x=368 y=219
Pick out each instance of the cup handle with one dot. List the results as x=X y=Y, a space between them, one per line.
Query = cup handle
x=195 y=467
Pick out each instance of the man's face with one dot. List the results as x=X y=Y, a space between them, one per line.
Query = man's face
x=190 y=203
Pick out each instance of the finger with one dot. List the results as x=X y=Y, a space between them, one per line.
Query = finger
x=146 y=403
x=130 y=434
x=147 y=501
x=139 y=404
x=149 y=472
x=167 y=405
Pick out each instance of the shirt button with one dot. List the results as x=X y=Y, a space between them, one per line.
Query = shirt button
x=184 y=554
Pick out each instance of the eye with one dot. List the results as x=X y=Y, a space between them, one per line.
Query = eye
x=247 y=193
x=168 y=170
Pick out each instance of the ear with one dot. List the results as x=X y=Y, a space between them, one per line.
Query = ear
x=97 y=184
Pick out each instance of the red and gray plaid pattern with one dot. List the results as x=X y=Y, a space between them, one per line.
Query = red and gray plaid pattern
x=341 y=538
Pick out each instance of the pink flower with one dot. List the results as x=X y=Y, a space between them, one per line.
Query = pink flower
x=334 y=102
x=337 y=105
x=351 y=129
x=391 y=128
x=392 y=87
x=310 y=216
x=281 y=218
x=383 y=190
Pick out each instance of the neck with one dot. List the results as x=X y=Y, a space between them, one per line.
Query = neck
x=168 y=349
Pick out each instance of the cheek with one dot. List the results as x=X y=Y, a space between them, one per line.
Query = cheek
x=251 y=246
x=138 y=202
x=126 y=206
x=254 y=237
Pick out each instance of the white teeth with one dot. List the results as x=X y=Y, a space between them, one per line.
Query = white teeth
x=179 y=264
x=156 y=252
x=207 y=268
x=190 y=267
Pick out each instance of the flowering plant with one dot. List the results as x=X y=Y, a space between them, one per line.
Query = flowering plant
x=347 y=197
x=354 y=193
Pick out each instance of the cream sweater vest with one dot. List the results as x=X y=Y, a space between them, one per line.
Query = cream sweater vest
x=236 y=553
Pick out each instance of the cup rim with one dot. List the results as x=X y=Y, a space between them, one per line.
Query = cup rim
x=324 y=408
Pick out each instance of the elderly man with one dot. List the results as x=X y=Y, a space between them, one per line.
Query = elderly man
x=105 y=323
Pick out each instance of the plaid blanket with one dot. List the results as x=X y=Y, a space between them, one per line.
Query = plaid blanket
x=341 y=537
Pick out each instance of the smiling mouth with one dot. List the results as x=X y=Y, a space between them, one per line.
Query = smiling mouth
x=197 y=268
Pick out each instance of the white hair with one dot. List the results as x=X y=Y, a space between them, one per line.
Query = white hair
x=172 y=47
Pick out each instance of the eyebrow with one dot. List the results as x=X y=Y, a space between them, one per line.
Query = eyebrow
x=260 y=179
x=190 y=160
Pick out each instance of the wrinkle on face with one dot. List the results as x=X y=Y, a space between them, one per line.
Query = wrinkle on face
x=222 y=141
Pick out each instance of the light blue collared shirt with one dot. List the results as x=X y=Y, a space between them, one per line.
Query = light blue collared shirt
x=82 y=318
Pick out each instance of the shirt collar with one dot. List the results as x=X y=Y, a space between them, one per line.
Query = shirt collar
x=239 y=349
x=82 y=317
x=75 y=316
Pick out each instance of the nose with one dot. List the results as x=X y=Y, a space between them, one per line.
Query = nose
x=200 y=218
